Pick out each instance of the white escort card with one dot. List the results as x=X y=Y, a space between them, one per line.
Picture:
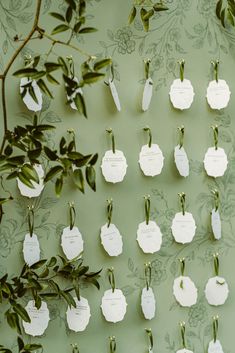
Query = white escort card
x=149 y=237
x=215 y=347
x=30 y=103
x=147 y=94
x=185 y=291
x=114 y=93
x=72 y=242
x=148 y=303
x=216 y=291
x=216 y=224
x=111 y=239
x=39 y=319
x=37 y=187
x=31 y=249
x=181 y=94
x=184 y=350
x=183 y=227
x=79 y=317
x=114 y=305
x=114 y=166
x=151 y=160
x=73 y=95
x=181 y=161
x=215 y=162
x=218 y=94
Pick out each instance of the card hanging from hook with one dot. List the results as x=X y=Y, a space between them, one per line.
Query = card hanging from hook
x=148 y=301
x=181 y=90
x=180 y=156
x=183 y=341
x=148 y=86
x=31 y=247
x=74 y=91
x=218 y=92
x=150 y=338
x=214 y=344
x=111 y=84
x=147 y=129
x=215 y=216
x=112 y=344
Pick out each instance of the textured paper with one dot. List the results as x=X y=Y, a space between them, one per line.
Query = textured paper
x=181 y=94
x=111 y=239
x=27 y=99
x=114 y=94
x=78 y=318
x=78 y=90
x=218 y=94
x=147 y=94
x=71 y=242
x=186 y=296
x=37 y=187
x=183 y=227
x=184 y=350
x=215 y=347
x=215 y=162
x=181 y=161
x=216 y=224
x=39 y=319
x=31 y=249
x=148 y=303
x=114 y=166
x=151 y=160
x=113 y=305
x=216 y=291
x=149 y=237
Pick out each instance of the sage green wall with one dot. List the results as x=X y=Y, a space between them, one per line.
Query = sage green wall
x=188 y=30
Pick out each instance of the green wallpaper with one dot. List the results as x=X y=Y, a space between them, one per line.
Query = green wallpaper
x=188 y=30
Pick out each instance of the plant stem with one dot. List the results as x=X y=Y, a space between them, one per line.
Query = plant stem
x=5 y=72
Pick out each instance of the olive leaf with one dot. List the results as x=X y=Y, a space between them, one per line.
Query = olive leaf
x=225 y=12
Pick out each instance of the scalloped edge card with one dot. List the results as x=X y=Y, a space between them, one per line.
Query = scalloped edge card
x=215 y=347
x=186 y=296
x=181 y=94
x=111 y=239
x=71 y=242
x=147 y=94
x=39 y=319
x=78 y=318
x=114 y=166
x=148 y=303
x=215 y=162
x=151 y=160
x=216 y=291
x=37 y=187
x=218 y=94
x=216 y=224
x=114 y=94
x=27 y=99
x=113 y=305
x=183 y=227
x=31 y=249
x=181 y=161
x=149 y=237
x=184 y=350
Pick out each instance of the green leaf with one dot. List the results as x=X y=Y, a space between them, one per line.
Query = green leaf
x=218 y=8
x=132 y=15
x=90 y=177
x=8 y=150
x=11 y=319
x=80 y=103
x=222 y=18
x=77 y=26
x=63 y=65
x=44 y=88
x=69 y=14
x=25 y=180
x=52 y=80
x=59 y=29
x=21 y=311
x=50 y=154
x=93 y=160
x=232 y=6
x=78 y=179
x=27 y=72
x=38 y=75
x=58 y=186
x=102 y=63
x=53 y=172
x=20 y=343
x=68 y=298
x=94 y=282
x=87 y=30
x=160 y=7
x=16 y=160
x=38 y=264
x=33 y=154
x=82 y=7
x=145 y=22
x=32 y=347
x=148 y=14
x=30 y=173
x=71 y=3
x=91 y=77
x=52 y=262
x=32 y=94
x=50 y=66
x=58 y=16
x=230 y=17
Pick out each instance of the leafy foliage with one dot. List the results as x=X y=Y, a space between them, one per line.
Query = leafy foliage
x=147 y=11
x=225 y=11
x=42 y=281
x=22 y=347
